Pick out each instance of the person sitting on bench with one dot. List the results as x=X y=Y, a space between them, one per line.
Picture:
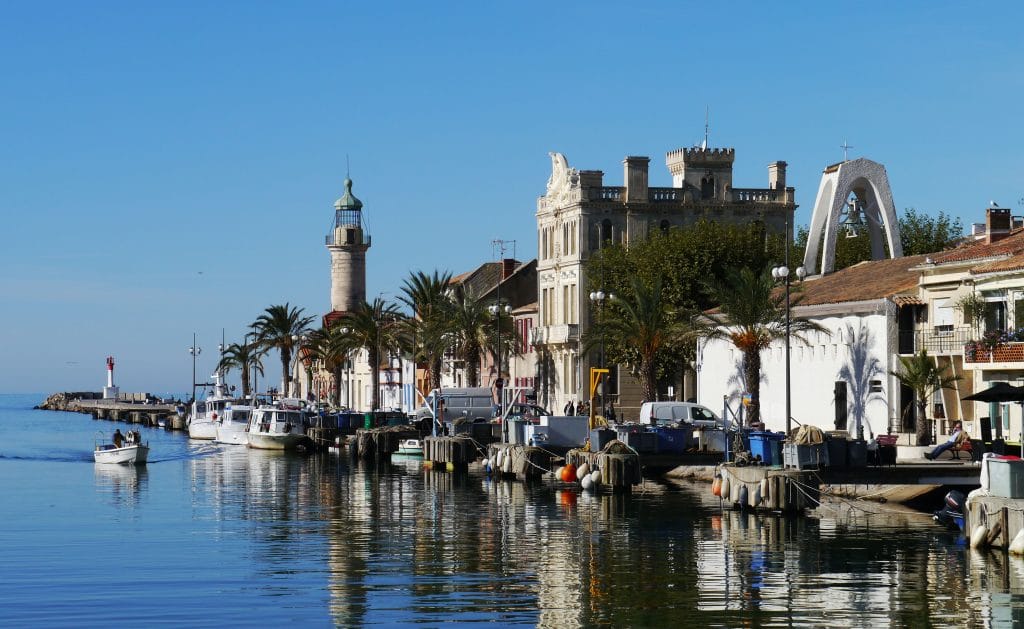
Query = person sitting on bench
x=955 y=439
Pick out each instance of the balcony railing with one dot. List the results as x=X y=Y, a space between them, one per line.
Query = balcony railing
x=553 y=334
x=936 y=340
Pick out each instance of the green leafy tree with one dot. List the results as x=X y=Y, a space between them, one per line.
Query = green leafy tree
x=922 y=374
x=644 y=329
x=245 y=357
x=919 y=234
x=278 y=327
x=681 y=259
x=377 y=328
x=751 y=314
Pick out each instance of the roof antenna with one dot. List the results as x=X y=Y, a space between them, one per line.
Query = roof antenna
x=706 y=114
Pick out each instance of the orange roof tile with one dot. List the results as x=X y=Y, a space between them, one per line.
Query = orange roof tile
x=861 y=282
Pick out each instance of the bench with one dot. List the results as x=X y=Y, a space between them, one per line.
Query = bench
x=965 y=446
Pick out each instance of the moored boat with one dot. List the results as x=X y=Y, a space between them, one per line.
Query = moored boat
x=206 y=414
x=234 y=425
x=410 y=447
x=278 y=426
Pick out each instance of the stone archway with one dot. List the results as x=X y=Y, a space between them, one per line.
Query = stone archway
x=868 y=182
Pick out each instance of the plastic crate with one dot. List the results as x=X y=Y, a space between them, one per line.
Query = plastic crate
x=803 y=457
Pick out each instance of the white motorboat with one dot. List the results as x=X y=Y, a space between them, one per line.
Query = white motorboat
x=131 y=452
x=206 y=414
x=280 y=426
x=234 y=425
x=413 y=447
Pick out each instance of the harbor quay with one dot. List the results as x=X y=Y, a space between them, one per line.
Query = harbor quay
x=789 y=485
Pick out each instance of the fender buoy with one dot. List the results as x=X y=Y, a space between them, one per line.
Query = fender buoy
x=558 y=472
x=582 y=470
x=725 y=487
x=587 y=483
x=569 y=473
x=978 y=536
x=764 y=489
x=595 y=476
x=755 y=499
x=743 y=496
x=716 y=486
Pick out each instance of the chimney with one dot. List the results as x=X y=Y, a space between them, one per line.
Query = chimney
x=777 y=176
x=997 y=223
x=635 y=179
x=508 y=266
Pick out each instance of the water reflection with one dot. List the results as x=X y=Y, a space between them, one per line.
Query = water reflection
x=404 y=543
x=122 y=484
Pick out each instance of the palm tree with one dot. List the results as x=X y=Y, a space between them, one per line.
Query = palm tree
x=751 y=314
x=430 y=326
x=470 y=320
x=376 y=328
x=279 y=327
x=245 y=357
x=640 y=329
x=330 y=346
x=922 y=374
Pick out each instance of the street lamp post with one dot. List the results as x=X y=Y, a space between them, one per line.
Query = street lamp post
x=782 y=274
x=194 y=351
x=497 y=310
x=598 y=297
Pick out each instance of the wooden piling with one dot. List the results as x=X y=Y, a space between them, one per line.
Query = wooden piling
x=457 y=451
x=618 y=463
x=520 y=461
x=781 y=490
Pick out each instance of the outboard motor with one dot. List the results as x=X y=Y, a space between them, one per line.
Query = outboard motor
x=952 y=513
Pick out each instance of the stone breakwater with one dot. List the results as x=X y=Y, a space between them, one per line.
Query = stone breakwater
x=68 y=401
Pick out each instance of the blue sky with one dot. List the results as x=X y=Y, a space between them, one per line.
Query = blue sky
x=170 y=168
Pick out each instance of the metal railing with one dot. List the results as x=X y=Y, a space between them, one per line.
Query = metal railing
x=936 y=340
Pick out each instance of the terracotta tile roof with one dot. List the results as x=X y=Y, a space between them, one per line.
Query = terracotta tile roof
x=1013 y=263
x=526 y=308
x=862 y=282
x=979 y=249
x=907 y=300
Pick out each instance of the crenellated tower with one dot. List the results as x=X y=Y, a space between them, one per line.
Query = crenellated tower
x=348 y=243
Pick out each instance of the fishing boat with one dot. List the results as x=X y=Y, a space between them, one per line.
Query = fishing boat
x=131 y=452
x=234 y=425
x=410 y=447
x=206 y=414
x=278 y=426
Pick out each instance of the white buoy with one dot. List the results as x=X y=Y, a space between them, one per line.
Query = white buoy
x=1017 y=545
x=755 y=496
x=587 y=483
x=595 y=477
x=558 y=473
x=764 y=489
x=726 y=486
x=979 y=536
x=486 y=463
x=507 y=467
x=582 y=470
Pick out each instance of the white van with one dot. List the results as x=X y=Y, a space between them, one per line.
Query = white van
x=468 y=402
x=669 y=413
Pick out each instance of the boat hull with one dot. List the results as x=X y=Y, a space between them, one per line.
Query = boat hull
x=128 y=455
x=232 y=436
x=275 y=441
x=202 y=430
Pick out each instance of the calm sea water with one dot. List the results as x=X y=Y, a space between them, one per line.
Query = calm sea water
x=207 y=535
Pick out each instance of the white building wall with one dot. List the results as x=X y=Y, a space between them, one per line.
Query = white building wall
x=815 y=367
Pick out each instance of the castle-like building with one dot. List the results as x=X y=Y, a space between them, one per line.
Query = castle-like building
x=579 y=214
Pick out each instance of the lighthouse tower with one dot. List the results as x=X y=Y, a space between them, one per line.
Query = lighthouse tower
x=110 y=391
x=348 y=243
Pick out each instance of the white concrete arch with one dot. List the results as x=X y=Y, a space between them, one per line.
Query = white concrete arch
x=870 y=183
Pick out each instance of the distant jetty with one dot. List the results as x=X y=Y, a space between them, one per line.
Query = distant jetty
x=137 y=408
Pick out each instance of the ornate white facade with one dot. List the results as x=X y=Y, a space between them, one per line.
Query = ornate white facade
x=578 y=214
